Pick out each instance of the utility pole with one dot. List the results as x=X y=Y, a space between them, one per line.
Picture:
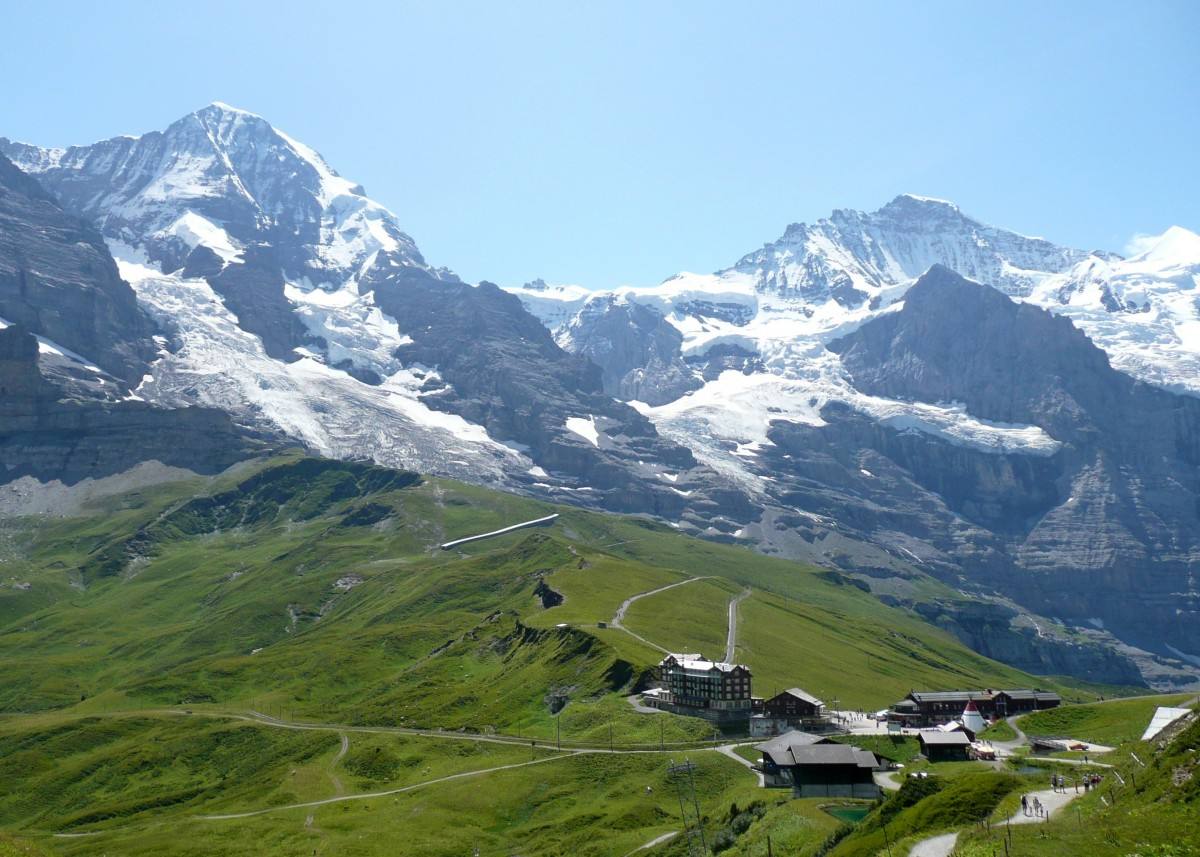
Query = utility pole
x=689 y=807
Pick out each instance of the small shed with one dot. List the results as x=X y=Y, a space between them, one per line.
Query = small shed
x=939 y=746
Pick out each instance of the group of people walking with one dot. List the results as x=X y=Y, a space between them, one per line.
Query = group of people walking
x=1032 y=807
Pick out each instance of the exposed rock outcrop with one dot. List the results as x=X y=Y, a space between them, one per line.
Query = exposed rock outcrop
x=58 y=280
x=60 y=422
x=1110 y=519
x=637 y=350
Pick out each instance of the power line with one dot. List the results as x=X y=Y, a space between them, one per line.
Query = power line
x=683 y=775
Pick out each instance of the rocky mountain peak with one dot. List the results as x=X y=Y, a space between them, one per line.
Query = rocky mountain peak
x=222 y=178
x=853 y=256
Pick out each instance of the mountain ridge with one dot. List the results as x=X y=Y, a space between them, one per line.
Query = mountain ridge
x=297 y=304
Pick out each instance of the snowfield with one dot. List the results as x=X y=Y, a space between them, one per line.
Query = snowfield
x=221 y=365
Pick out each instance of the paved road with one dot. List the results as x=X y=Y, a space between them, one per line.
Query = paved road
x=731 y=751
x=943 y=844
x=619 y=616
x=731 y=636
x=1008 y=748
x=885 y=781
x=935 y=846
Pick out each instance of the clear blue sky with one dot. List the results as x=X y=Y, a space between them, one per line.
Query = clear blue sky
x=609 y=143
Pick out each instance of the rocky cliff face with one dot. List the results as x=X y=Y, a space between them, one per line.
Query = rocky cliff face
x=58 y=280
x=499 y=368
x=637 y=350
x=60 y=421
x=1109 y=520
x=73 y=344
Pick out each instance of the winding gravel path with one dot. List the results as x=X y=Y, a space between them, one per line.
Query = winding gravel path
x=1051 y=801
x=369 y=795
x=619 y=617
x=941 y=845
x=730 y=750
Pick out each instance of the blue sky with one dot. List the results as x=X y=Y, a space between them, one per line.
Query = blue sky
x=614 y=143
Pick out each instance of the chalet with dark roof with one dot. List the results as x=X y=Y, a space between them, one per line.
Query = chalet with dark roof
x=932 y=708
x=813 y=766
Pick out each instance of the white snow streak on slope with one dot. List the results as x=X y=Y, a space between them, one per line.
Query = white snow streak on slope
x=220 y=364
x=195 y=230
x=585 y=428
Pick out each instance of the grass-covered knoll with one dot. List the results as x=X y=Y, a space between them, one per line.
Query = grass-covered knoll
x=999 y=731
x=260 y=593
x=926 y=806
x=893 y=748
x=1111 y=723
x=1155 y=813
x=843 y=645
x=689 y=618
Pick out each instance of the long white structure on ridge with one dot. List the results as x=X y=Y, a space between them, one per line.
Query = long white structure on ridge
x=536 y=522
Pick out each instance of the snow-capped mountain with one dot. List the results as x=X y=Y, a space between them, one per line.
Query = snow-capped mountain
x=223 y=178
x=854 y=256
x=786 y=400
x=767 y=400
x=755 y=334
x=298 y=304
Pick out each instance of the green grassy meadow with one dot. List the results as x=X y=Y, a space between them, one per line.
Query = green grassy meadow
x=155 y=623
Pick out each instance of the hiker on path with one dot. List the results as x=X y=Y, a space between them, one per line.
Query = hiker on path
x=1025 y=804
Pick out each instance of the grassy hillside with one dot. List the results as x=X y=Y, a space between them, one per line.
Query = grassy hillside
x=314 y=590
x=1111 y=723
x=1148 y=807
